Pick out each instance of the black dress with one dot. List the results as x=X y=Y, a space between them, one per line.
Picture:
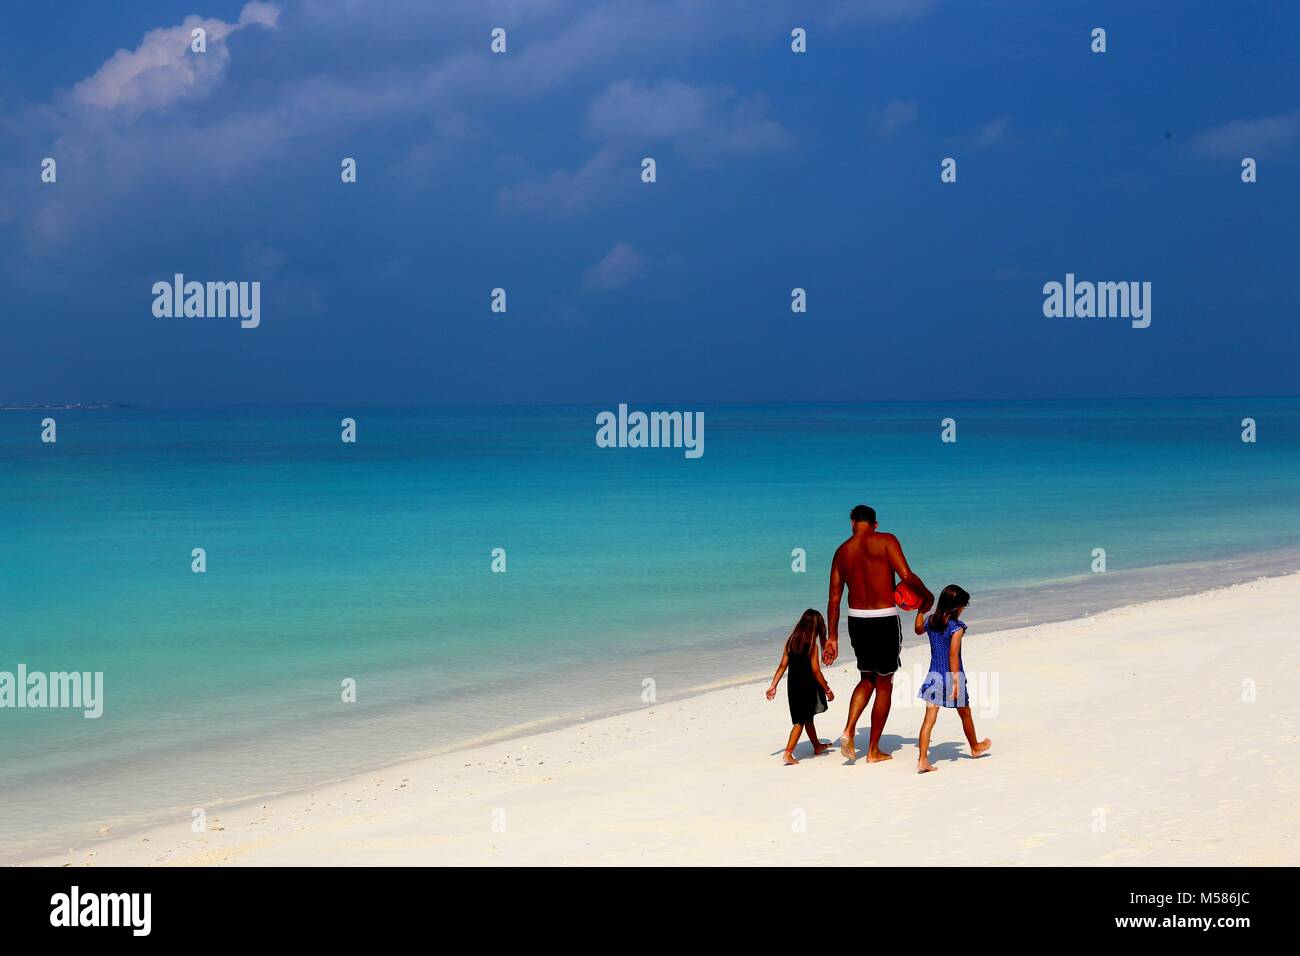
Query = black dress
x=807 y=699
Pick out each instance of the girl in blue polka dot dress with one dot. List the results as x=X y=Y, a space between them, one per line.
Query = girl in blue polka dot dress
x=945 y=684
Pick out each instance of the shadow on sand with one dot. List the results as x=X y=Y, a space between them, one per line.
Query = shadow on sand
x=889 y=743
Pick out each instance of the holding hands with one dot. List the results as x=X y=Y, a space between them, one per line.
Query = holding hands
x=830 y=650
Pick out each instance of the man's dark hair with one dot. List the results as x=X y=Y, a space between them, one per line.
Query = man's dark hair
x=863 y=513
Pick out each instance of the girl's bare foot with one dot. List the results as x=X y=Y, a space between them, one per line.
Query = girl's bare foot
x=787 y=758
x=981 y=748
x=876 y=756
x=820 y=748
x=846 y=748
x=924 y=766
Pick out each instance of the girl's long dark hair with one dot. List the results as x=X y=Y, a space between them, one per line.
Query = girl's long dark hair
x=810 y=630
x=950 y=598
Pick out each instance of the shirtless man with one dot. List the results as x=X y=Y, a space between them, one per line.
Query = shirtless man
x=867 y=563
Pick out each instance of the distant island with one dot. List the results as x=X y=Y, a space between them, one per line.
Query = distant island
x=57 y=406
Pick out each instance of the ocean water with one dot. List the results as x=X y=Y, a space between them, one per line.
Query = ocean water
x=372 y=561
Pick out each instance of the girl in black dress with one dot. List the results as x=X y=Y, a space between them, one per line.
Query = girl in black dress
x=807 y=688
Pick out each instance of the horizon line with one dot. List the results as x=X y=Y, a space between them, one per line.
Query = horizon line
x=108 y=405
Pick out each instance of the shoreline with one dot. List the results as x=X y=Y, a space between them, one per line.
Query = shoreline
x=555 y=735
x=1238 y=568
x=515 y=732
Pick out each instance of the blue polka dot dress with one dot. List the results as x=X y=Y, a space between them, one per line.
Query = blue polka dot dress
x=937 y=686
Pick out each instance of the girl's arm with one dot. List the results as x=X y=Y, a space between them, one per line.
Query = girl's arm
x=919 y=626
x=776 y=678
x=817 y=675
x=954 y=659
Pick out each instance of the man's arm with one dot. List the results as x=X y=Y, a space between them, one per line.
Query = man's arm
x=831 y=647
x=898 y=562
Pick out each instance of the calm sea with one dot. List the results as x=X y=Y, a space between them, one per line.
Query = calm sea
x=372 y=561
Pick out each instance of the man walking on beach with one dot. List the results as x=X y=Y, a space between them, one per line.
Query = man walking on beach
x=867 y=562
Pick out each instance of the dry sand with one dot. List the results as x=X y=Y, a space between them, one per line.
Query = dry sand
x=1163 y=733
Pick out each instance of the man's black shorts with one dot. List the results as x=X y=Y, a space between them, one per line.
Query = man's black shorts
x=878 y=642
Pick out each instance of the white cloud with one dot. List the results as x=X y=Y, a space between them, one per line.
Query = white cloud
x=566 y=193
x=1241 y=138
x=163 y=68
x=267 y=14
x=342 y=75
x=451 y=134
x=895 y=115
x=993 y=131
x=705 y=123
x=620 y=266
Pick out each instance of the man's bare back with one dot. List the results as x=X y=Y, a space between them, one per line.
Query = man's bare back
x=867 y=564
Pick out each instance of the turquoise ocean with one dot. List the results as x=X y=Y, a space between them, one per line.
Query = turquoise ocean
x=373 y=561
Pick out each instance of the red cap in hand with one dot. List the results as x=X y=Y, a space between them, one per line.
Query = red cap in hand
x=906 y=598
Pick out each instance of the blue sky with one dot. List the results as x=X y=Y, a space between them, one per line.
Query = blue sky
x=521 y=170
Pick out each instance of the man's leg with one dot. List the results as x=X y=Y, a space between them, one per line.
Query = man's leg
x=879 y=714
x=857 y=704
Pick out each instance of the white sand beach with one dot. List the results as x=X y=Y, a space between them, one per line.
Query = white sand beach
x=1162 y=733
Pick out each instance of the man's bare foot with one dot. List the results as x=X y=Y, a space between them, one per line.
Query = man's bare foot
x=787 y=758
x=877 y=756
x=846 y=748
x=924 y=766
x=981 y=748
x=820 y=748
